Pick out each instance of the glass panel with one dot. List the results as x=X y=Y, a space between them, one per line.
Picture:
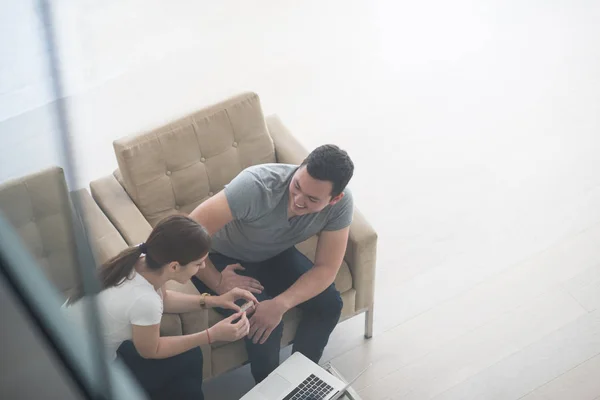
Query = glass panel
x=44 y=250
x=29 y=369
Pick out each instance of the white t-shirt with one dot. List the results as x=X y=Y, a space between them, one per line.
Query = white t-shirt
x=133 y=302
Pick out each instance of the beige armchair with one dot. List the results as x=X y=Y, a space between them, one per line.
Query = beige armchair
x=40 y=208
x=176 y=167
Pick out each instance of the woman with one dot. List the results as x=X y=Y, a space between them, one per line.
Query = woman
x=133 y=300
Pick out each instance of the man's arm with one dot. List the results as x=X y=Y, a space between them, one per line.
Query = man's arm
x=331 y=248
x=213 y=214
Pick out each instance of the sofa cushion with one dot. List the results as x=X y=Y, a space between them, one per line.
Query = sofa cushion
x=39 y=209
x=176 y=167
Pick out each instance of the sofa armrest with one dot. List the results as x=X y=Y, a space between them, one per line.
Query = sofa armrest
x=120 y=209
x=361 y=256
x=105 y=241
x=288 y=149
x=361 y=252
x=194 y=321
x=170 y=325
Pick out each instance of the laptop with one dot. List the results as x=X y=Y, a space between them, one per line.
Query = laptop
x=298 y=378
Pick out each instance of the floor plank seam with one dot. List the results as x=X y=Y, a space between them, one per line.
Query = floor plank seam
x=551 y=289
x=512 y=354
x=510 y=268
x=575 y=299
x=557 y=377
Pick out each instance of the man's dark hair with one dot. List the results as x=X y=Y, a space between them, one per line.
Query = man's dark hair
x=330 y=163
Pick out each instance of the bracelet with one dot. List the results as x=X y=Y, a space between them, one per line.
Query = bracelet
x=203 y=299
x=208 y=335
x=220 y=280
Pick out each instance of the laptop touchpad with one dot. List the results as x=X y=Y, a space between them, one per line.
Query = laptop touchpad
x=274 y=387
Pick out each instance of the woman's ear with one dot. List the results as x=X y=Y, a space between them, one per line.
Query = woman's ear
x=173 y=266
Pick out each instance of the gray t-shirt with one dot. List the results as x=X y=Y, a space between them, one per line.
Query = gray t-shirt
x=258 y=199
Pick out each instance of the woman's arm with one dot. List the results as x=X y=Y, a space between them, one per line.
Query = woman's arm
x=176 y=302
x=149 y=343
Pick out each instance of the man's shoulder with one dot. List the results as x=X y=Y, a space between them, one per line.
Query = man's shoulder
x=270 y=175
x=347 y=193
x=342 y=210
x=259 y=187
x=347 y=199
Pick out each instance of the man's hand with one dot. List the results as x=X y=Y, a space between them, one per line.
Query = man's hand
x=230 y=279
x=228 y=299
x=267 y=316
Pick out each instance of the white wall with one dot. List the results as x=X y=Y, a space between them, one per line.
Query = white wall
x=474 y=124
x=27 y=133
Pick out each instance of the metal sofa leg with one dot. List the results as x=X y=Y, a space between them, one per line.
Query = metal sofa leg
x=369 y=323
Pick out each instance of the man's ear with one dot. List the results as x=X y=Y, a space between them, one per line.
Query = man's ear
x=337 y=198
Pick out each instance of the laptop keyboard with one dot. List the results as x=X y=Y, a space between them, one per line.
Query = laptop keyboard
x=312 y=388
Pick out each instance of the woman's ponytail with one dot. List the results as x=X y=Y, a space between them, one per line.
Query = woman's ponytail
x=175 y=238
x=115 y=271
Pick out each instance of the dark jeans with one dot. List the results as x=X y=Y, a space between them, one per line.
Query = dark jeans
x=177 y=377
x=319 y=314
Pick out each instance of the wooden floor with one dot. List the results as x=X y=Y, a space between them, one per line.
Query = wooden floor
x=529 y=332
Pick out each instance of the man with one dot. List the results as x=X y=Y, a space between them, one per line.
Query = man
x=256 y=221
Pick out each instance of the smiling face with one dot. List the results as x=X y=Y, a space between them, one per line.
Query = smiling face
x=309 y=195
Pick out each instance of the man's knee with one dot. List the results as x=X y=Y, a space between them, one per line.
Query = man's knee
x=336 y=304
x=277 y=333
x=274 y=339
x=270 y=346
x=264 y=357
x=329 y=303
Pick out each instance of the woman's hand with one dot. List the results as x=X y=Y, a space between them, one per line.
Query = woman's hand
x=228 y=299
x=228 y=331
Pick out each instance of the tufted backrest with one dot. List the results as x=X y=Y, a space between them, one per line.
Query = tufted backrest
x=178 y=166
x=39 y=208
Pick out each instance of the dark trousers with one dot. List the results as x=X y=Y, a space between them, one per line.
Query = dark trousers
x=177 y=377
x=319 y=314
